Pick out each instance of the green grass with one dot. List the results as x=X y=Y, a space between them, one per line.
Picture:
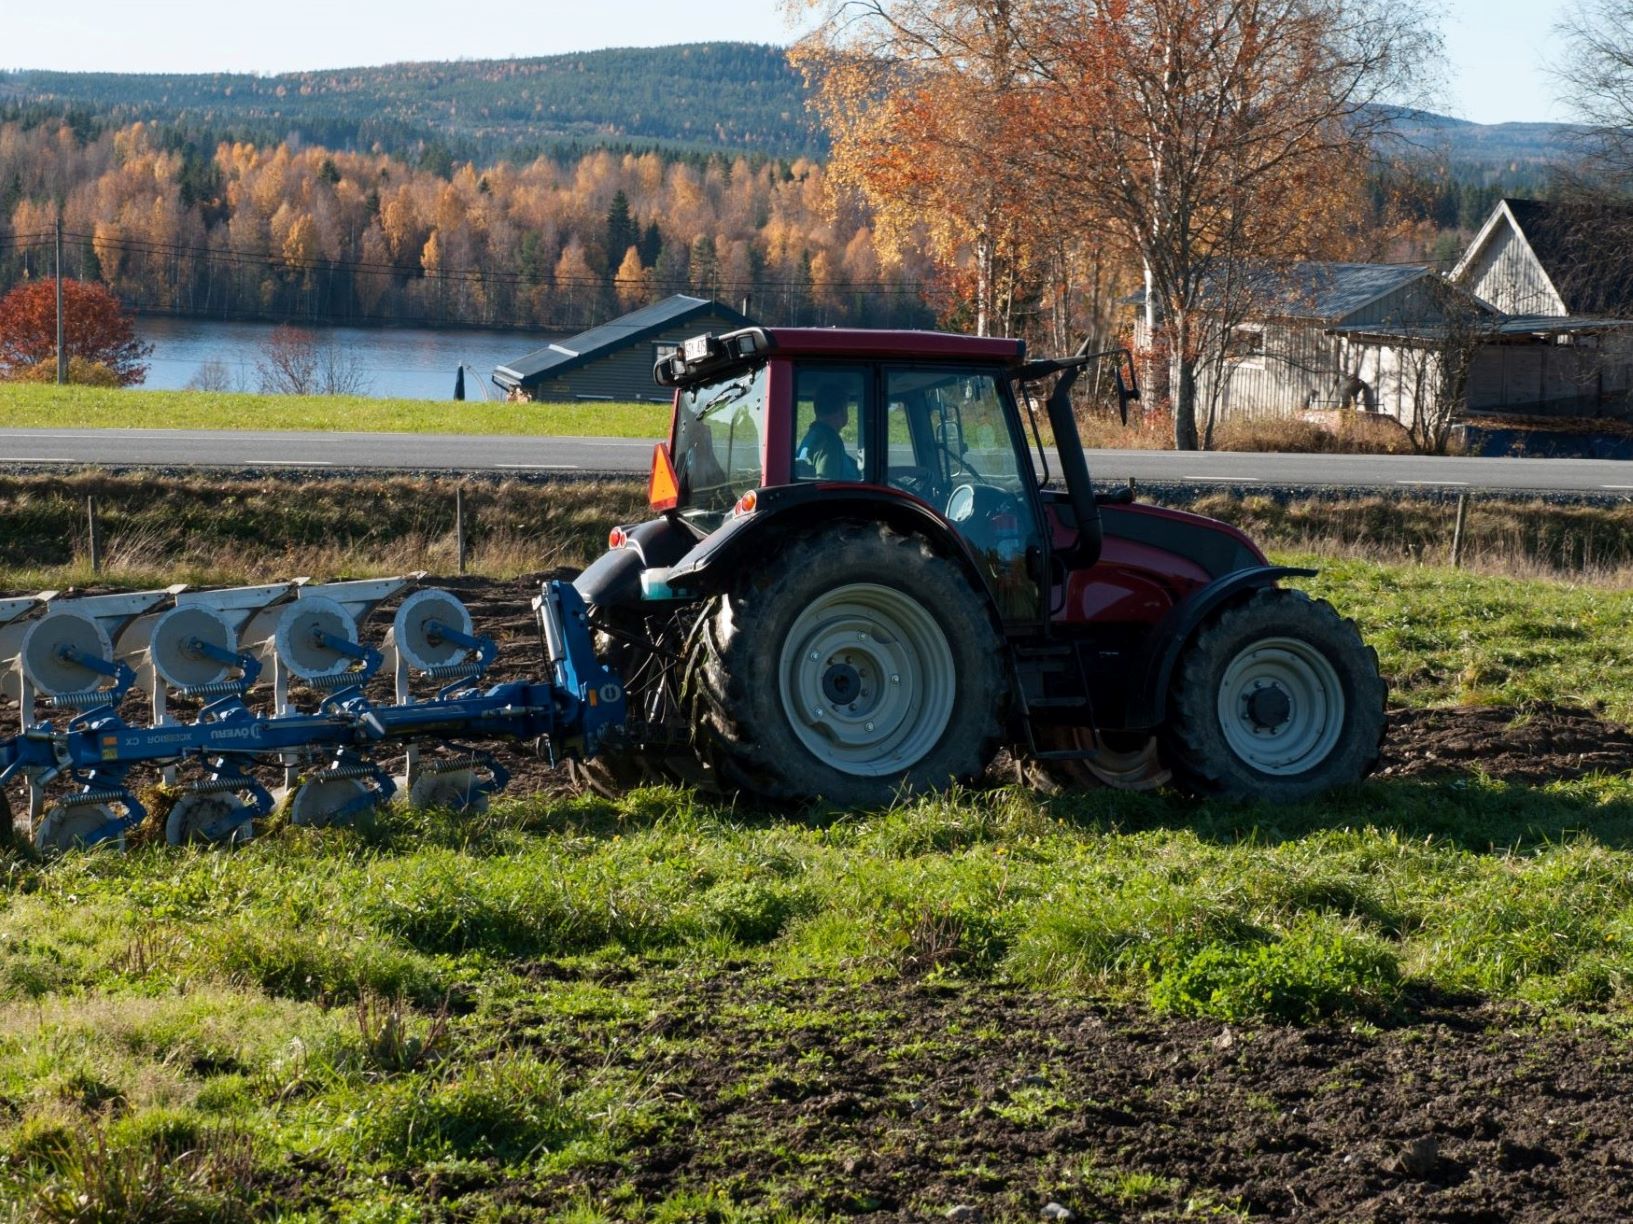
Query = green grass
x=1446 y=636
x=28 y=406
x=186 y=1030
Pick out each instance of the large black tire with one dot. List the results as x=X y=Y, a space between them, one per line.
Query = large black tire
x=1275 y=698
x=854 y=611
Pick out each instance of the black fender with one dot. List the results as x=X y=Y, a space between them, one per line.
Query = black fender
x=1148 y=703
x=716 y=562
x=613 y=580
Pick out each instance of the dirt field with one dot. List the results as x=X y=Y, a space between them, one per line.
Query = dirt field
x=1462 y=1112
x=910 y=1099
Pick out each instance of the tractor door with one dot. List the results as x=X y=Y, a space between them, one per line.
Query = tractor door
x=952 y=439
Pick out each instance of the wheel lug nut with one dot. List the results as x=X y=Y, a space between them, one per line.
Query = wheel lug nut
x=813 y=656
x=870 y=726
x=895 y=679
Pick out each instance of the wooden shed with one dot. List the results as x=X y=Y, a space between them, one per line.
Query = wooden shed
x=614 y=361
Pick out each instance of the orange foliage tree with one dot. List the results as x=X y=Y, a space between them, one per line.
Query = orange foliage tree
x=1196 y=142
x=96 y=332
x=1216 y=141
x=920 y=100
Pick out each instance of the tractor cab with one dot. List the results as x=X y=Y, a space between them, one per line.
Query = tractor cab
x=821 y=422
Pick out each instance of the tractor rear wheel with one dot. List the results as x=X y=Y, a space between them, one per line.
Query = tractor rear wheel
x=854 y=666
x=1276 y=698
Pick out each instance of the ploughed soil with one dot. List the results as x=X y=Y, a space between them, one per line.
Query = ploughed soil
x=908 y=1100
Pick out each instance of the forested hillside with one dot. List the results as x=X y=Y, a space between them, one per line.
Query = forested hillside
x=278 y=232
x=734 y=96
x=547 y=192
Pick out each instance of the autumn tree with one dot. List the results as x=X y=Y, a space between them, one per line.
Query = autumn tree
x=630 y=280
x=1212 y=138
x=921 y=100
x=97 y=333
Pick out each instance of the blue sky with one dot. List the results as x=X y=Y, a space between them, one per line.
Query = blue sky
x=1496 y=47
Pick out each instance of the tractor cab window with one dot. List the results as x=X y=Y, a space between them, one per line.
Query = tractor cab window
x=830 y=406
x=718 y=430
x=951 y=441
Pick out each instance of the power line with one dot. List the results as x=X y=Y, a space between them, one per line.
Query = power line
x=481 y=276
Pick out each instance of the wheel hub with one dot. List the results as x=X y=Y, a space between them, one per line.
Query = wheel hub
x=867 y=678
x=1281 y=706
x=1267 y=706
x=842 y=683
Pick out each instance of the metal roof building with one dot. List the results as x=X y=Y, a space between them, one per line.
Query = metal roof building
x=614 y=361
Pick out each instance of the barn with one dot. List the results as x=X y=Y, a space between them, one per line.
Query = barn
x=614 y=361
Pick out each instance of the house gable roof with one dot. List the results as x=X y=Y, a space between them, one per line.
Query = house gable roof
x=1324 y=292
x=1581 y=250
x=554 y=360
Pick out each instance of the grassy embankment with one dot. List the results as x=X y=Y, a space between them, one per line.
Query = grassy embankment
x=482 y=1012
x=38 y=407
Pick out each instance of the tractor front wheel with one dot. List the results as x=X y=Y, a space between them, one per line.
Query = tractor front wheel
x=855 y=665
x=1278 y=698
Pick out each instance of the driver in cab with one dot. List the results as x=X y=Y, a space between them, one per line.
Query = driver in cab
x=822 y=447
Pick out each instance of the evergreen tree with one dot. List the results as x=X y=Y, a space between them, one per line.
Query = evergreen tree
x=621 y=231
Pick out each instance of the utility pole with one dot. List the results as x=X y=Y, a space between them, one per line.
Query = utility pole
x=62 y=355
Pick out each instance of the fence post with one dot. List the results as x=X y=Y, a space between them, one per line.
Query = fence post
x=459 y=526
x=90 y=521
x=1457 y=530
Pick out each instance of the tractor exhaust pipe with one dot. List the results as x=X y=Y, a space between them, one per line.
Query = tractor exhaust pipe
x=1074 y=465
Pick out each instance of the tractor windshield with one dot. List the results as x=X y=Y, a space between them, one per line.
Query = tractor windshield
x=718 y=432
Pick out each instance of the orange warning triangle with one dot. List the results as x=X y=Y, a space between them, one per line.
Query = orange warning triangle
x=662 y=490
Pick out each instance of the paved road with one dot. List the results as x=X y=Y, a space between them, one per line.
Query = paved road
x=460 y=452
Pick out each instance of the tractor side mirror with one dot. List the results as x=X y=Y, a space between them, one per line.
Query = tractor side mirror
x=1128 y=389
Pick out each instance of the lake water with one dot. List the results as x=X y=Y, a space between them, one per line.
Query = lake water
x=407 y=363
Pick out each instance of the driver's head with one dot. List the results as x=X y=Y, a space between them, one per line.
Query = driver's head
x=832 y=407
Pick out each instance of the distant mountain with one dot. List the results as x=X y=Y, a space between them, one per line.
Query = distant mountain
x=1516 y=146
x=734 y=96
x=701 y=96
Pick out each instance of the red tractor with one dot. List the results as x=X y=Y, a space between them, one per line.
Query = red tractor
x=864 y=578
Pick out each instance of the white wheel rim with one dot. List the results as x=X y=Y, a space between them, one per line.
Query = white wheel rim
x=74 y=828
x=867 y=679
x=1281 y=706
x=218 y=817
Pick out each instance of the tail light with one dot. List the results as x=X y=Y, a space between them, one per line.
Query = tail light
x=617 y=538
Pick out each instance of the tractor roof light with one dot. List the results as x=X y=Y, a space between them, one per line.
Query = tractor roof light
x=700 y=357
